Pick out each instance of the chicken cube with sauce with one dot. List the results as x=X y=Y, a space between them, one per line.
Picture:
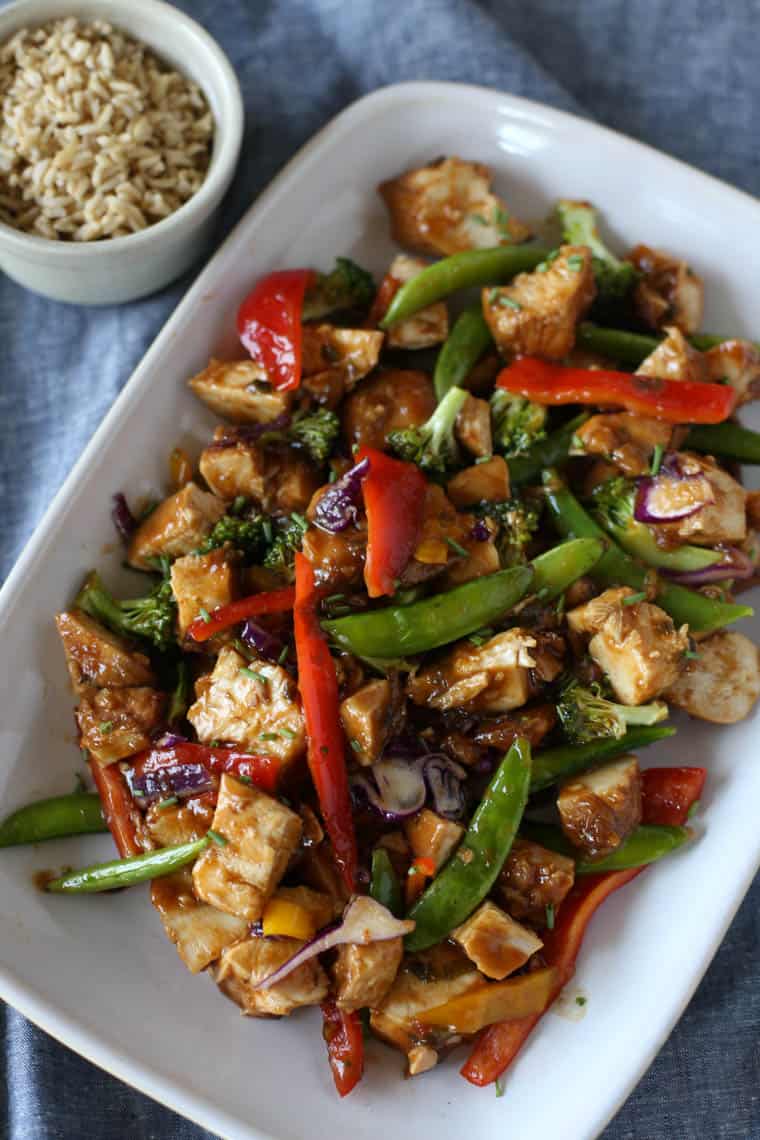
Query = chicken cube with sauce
x=391 y=400
x=277 y=478
x=534 y=881
x=177 y=526
x=202 y=581
x=669 y=292
x=600 y=808
x=675 y=359
x=723 y=519
x=473 y=427
x=243 y=966
x=239 y=391
x=721 y=683
x=487 y=481
x=365 y=973
x=261 y=834
x=251 y=703
x=736 y=362
x=334 y=360
x=626 y=440
x=115 y=723
x=491 y=678
x=428 y=326
x=482 y=558
x=369 y=717
x=430 y=836
x=447 y=207
x=537 y=313
x=97 y=658
x=494 y=942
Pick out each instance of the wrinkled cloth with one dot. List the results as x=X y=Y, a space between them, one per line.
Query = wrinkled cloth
x=683 y=77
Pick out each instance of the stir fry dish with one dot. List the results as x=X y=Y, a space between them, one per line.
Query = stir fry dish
x=459 y=544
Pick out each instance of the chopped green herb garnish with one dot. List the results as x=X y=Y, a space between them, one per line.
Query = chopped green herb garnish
x=456 y=547
x=106 y=726
x=246 y=780
x=499 y=1086
x=493 y=296
x=217 y=838
x=283 y=655
x=575 y=262
x=581 y=1000
x=287 y=733
x=501 y=218
x=170 y=801
x=299 y=520
x=335 y=598
x=577 y=442
x=266 y=527
x=254 y=676
x=632 y=599
x=479 y=219
x=559 y=609
x=510 y=302
x=549 y=916
x=269 y=736
x=355 y=745
x=239 y=504
x=657 y=455
x=204 y=614
x=693 y=810
x=483 y=459
x=691 y=655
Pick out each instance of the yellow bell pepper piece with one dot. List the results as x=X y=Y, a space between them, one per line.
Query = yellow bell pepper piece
x=497 y=1001
x=281 y=916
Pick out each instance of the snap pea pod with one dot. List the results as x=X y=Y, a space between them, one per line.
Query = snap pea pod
x=461 y=271
x=397 y=631
x=638 y=540
x=54 y=818
x=730 y=441
x=473 y=868
x=547 y=452
x=127 y=872
x=630 y=348
x=615 y=568
x=384 y=885
x=553 y=764
x=648 y=843
x=465 y=344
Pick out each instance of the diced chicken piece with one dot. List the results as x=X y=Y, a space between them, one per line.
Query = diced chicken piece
x=260 y=712
x=534 y=881
x=338 y=559
x=278 y=478
x=335 y=359
x=675 y=359
x=115 y=723
x=390 y=401
x=639 y=649
x=200 y=932
x=487 y=481
x=722 y=683
x=626 y=440
x=177 y=526
x=495 y=942
x=245 y=965
x=600 y=808
x=490 y=678
x=319 y=869
x=669 y=292
x=369 y=717
x=447 y=207
x=364 y=974
x=262 y=834
x=738 y=363
x=170 y=824
x=473 y=427
x=534 y=724
x=428 y=326
x=482 y=558
x=430 y=836
x=239 y=391
x=537 y=313
x=202 y=581
x=443 y=531
x=97 y=658
x=590 y=617
x=723 y=520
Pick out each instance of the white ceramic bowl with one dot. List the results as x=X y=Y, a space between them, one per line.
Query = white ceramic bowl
x=122 y=269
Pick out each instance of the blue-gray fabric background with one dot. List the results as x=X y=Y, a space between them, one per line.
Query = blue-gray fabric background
x=682 y=76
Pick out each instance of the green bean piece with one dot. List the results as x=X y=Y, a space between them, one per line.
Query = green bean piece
x=384 y=885
x=127 y=872
x=553 y=764
x=630 y=348
x=547 y=452
x=615 y=568
x=472 y=870
x=466 y=343
x=461 y=271
x=54 y=818
x=646 y=844
x=728 y=440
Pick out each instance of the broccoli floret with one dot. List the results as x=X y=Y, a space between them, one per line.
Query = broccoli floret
x=316 y=432
x=586 y=714
x=248 y=535
x=432 y=445
x=614 y=278
x=287 y=540
x=516 y=423
x=614 y=502
x=518 y=522
x=151 y=617
x=347 y=286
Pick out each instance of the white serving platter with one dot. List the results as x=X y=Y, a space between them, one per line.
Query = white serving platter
x=99 y=973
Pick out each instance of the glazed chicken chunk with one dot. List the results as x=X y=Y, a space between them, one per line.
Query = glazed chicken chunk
x=239 y=391
x=534 y=881
x=364 y=974
x=368 y=717
x=391 y=400
x=600 y=808
x=115 y=723
x=722 y=683
x=277 y=478
x=494 y=942
x=430 y=836
x=177 y=526
x=202 y=581
x=427 y=327
x=669 y=292
x=675 y=359
x=722 y=518
x=491 y=678
x=97 y=658
x=736 y=362
x=626 y=440
x=243 y=966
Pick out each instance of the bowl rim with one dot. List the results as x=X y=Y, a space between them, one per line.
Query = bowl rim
x=226 y=140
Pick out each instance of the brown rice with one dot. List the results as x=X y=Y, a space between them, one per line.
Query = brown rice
x=98 y=137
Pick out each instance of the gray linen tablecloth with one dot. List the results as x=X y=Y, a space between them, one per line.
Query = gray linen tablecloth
x=683 y=77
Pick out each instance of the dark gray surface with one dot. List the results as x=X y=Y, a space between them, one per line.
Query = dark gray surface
x=683 y=77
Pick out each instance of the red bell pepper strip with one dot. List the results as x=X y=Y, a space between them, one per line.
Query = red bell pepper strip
x=269 y=324
x=268 y=602
x=345 y=1046
x=119 y=810
x=669 y=794
x=498 y=1045
x=318 y=683
x=394 y=499
x=674 y=401
x=263 y=771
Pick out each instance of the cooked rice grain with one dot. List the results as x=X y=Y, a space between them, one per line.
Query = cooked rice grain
x=98 y=137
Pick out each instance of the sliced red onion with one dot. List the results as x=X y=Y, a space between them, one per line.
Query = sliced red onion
x=123 y=519
x=364 y=921
x=180 y=780
x=673 y=494
x=735 y=563
x=394 y=787
x=444 y=777
x=337 y=508
x=261 y=640
x=169 y=739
